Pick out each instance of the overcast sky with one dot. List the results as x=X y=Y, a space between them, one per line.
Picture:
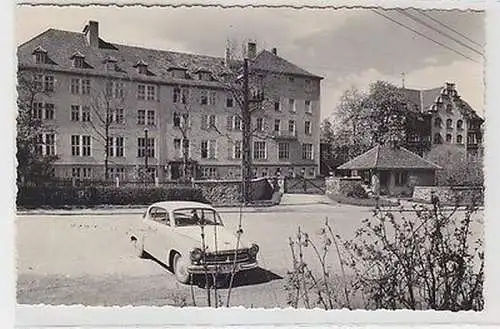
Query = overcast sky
x=348 y=47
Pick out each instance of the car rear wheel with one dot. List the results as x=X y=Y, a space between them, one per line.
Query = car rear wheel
x=180 y=269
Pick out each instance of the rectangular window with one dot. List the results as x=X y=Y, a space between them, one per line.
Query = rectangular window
x=75 y=172
x=177 y=147
x=277 y=106
x=259 y=150
x=85 y=86
x=46 y=144
x=40 y=58
x=208 y=149
x=212 y=98
x=260 y=124
x=212 y=121
x=277 y=125
x=38 y=82
x=237 y=150
x=307 y=151
x=49 y=83
x=49 y=111
x=86 y=173
x=117 y=172
x=75 y=145
x=141 y=91
x=401 y=178
x=151 y=95
x=86 y=146
x=151 y=118
x=75 y=112
x=115 y=89
x=204 y=149
x=185 y=95
x=141 y=117
x=229 y=102
x=291 y=105
x=208 y=121
x=85 y=113
x=308 y=106
x=118 y=116
x=209 y=172
x=37 y=111
x=307 y=128
x=283 y=151
x=204 y=97
x=141 y=147
x=75 y=86
x=291 y=127
x=116 y=146
x=236 y=122
x=177 y=95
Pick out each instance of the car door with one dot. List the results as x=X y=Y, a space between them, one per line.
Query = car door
x=158 y=224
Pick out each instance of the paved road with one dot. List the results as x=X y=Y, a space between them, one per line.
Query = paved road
x=89 y=260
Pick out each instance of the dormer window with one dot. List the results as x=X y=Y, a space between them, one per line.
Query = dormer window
x=110 y=63
x=40 y=55
x=142 y=67
x=178 y=72
x=204 y=75
x=79 y=60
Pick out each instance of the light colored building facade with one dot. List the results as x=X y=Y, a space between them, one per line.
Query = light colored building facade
x=175 y=100
x=451 y=119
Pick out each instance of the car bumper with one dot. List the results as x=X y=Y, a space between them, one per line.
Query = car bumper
x=221 y=268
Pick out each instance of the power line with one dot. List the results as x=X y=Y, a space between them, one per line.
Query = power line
x=418 y=20
x=424 y=36
x=449 y=28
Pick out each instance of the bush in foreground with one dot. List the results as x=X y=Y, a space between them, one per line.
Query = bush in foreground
x=433 y=260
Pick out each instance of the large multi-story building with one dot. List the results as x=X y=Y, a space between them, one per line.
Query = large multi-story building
x=150 y=107
x=444 y=118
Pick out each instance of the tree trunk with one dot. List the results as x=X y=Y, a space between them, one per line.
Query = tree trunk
x=246 y=143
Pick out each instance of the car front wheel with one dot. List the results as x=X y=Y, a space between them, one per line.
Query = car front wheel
x=180 y=268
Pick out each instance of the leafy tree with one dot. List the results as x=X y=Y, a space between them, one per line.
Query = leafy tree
x=388 y=112
x=459 y=169
x=32 y=165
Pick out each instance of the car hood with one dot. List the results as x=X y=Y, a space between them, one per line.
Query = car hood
x=226 y=240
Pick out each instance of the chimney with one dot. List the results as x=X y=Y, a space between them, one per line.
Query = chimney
x=91 y=31
x=274 y=51
x=252 y=50
x=450 y=86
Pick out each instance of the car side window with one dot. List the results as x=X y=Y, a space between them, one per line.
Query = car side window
x=159 y=215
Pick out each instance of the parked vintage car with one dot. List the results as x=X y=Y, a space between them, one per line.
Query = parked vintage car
x=172 y=231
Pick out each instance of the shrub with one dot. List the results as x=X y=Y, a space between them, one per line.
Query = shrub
x=59 y=196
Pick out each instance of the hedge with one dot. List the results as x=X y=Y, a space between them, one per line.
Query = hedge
x=60 y=196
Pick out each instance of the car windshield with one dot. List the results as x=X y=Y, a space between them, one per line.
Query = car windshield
x=196 y=217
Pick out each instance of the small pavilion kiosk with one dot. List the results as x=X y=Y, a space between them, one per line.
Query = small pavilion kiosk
x=392 y=170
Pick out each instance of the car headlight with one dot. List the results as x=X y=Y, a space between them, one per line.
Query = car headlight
x=196 y=254
x=253 y=250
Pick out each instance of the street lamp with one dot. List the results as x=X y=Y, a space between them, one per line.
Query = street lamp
x=146 y=148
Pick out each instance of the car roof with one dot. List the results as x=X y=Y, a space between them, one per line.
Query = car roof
x=173 y=205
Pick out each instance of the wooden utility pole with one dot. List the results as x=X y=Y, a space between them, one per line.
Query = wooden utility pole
x=246 y=167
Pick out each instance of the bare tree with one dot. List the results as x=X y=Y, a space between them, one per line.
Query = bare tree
x=104 y=111
x=34 y=164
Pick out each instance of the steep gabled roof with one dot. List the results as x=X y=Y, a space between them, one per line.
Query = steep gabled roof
x=386 y=157
x=60 y=45
x=422 y=98
x=267 y=61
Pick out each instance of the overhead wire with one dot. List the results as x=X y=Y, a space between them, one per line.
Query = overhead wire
x=422 y=22
x=421 y=12
x=424 y=36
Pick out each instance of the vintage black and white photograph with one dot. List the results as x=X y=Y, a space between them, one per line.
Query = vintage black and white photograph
x=257 y=157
